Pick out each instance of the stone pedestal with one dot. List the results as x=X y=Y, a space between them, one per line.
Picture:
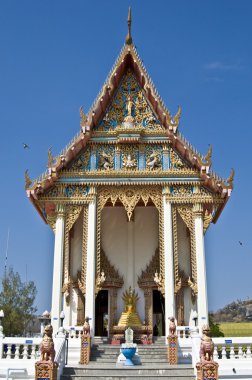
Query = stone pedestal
x=207 y=370
x=172 y=349
x=46 y=370
x=85 y=349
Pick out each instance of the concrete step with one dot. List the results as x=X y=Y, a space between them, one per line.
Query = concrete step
x=149 y=352
x=113 y=360
x=164 y=371
x=150 y=356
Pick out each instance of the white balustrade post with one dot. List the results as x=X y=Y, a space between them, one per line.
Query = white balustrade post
x=196 y=340
x=58 y=269
x=202 y=302
x=1 y=341
x=90 y=268
x=248 y=352
x=168 y=262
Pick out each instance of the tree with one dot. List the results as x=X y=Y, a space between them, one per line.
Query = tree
x=214 y=327
x=16 y=300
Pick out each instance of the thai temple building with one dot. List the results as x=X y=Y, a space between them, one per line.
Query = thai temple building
x=129 y=200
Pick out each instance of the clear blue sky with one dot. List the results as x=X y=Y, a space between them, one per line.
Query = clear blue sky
x=55 y=56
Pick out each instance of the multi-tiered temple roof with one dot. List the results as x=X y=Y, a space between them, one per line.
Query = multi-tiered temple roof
x=129 y=138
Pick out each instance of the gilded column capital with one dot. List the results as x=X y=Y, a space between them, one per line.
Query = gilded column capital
x=166 y=190
x=92 y=190
x=60 y=210
x=93 y=194
x=197 y=210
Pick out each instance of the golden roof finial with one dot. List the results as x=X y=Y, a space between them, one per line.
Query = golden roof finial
x=129 y=38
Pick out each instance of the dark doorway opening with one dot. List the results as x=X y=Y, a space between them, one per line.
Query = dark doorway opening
x=101 y=313
x=158 y=313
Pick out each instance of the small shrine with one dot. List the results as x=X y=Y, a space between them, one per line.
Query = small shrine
x=129 y=201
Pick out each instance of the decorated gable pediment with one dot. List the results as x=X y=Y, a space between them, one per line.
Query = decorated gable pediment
x=129 y=100
x=128 y=137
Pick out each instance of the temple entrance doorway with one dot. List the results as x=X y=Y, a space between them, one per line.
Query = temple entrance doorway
x=158 y=313
x=101 y=313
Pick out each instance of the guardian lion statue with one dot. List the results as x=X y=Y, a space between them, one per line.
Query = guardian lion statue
x=47 y=346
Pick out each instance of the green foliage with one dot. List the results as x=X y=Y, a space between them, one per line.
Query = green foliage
x=16 y=300
x=214 y=327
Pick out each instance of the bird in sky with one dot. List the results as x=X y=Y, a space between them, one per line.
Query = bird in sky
x=240 y=242
x=25 y=146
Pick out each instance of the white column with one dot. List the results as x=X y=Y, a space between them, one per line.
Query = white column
x=201 y=266
x=90 y=269
x=168 y=262
x=58 y=269
x=130 y=281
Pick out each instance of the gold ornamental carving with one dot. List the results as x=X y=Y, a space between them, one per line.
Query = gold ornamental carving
x=146 y=279
x=112 y=276
x=113 y=307
x=72 y=214
x=186 y=213
x=208 y=217
x=82 y=276
x=129 y=105
x=148 y=307
x=130 y=196
x=68 y=194
x=51 y=220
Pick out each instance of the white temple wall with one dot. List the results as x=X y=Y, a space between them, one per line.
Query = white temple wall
x=184 y=250
x=137 y=240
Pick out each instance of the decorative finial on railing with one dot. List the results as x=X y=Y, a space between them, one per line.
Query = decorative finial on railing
x=129 y=38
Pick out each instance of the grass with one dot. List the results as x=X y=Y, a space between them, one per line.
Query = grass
x=236 y=329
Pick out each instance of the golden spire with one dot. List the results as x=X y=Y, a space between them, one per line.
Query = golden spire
x=129 y=38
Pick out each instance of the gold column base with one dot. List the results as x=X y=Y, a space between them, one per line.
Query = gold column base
x=46 y=370
x=172 y=349
x=85 y=349
x=207 y=370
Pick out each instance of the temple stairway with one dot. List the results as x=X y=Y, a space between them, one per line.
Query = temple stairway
x=103 y=364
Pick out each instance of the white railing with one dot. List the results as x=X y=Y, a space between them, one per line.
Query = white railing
x=232 y=348
x=60 y=348
x=232 y=354
x=184 y=332
x=19 y=348
x=73 y=331
x=22 y=353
